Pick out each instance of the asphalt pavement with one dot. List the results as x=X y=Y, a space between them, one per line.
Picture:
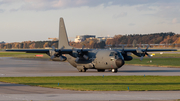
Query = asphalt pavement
x=14 y=67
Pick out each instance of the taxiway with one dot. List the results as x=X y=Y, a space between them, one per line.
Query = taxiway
x=14 y=67
x=17 y=67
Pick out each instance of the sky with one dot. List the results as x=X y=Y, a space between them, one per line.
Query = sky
x=38 y=20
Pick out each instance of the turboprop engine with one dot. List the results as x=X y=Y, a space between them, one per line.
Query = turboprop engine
x=53 y=54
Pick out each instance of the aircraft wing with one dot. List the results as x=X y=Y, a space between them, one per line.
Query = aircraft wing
x=146 y=50
x=64 y=51
x=140 y=51
x=29 y=50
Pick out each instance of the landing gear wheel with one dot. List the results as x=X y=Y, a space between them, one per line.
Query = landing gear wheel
x=114 y=70
x=101 y=70
x=82 y=70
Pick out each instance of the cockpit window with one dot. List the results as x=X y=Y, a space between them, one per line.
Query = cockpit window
x=116 y=55
x=112 y=54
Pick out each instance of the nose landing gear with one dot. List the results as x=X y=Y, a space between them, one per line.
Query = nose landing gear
x=114 y=70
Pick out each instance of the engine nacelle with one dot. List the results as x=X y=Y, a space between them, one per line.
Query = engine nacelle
x=128 y=58
x=119 y=63
x=138 y=54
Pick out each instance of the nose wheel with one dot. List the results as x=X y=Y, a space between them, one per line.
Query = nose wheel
x=114 y=70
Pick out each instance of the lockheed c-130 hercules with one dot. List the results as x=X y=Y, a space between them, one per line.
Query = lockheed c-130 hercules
x=84 y=59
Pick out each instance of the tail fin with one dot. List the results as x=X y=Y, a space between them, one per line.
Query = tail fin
x=63 y=39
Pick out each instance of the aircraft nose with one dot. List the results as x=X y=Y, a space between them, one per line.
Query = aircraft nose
x=119 y=63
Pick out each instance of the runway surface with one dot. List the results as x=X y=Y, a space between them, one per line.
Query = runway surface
x=13 y=67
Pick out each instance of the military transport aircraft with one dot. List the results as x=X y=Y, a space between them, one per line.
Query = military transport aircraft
x=84 y=59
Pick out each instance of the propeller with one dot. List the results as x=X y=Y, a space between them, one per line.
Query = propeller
x=147 y=53
x=85 y=57
x=62 y=58
x=123 y=52
x=142 y=54
x=77 y=59
x=81 y=54
x=52 y=52
x=123 y=48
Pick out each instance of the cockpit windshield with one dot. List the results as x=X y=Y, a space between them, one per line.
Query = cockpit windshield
x=117 y=55
x=112 y=54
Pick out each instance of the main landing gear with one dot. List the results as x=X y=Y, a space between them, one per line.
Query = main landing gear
x=82 y=70
x=99 y=70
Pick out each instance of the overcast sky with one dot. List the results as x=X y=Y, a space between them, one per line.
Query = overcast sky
x=35 y=20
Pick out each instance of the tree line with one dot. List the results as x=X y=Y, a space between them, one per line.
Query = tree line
x=155 y=38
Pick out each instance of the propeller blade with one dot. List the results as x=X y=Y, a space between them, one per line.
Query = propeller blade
x=52 y=57
x=62 y=58
x=147 y=48
x=86 y=57
x=62 y=48
x=83 y=47
x=77 y=59
x=141 y=58
x=52 y=53
x=148 y=55
x=139 y=50
x=123 y=47
x=53 y=47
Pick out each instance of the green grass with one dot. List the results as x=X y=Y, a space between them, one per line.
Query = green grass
x=166 y=55
x=163 y=62
x=100 y=83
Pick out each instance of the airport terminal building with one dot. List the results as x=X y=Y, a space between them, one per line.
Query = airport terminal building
x=81 y=38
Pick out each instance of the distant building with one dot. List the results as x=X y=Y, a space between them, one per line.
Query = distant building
x=99 y=39
x=2 y=42
x=81 y=38
x=103 y=39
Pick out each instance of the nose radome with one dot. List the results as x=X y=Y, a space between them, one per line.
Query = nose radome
x=119 y=62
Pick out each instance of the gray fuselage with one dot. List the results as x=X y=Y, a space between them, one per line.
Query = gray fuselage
x=98 y=59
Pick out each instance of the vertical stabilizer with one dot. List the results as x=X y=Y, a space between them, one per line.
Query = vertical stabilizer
x=63 y=39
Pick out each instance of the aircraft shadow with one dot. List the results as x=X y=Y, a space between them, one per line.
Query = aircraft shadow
x=149 y=71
